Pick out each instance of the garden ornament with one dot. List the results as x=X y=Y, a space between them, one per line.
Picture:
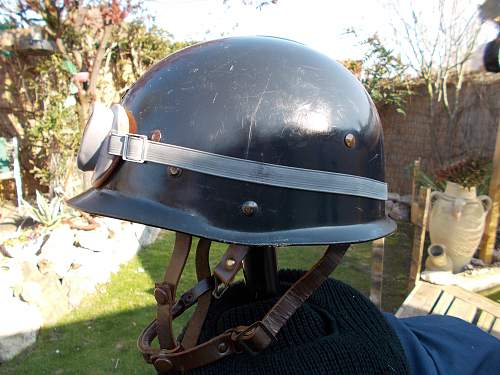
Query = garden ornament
x=437 y=260
x=254 y=142
x=456 y=222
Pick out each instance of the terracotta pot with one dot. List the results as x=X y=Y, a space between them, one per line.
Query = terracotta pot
x=457 y=222
x=437 y=259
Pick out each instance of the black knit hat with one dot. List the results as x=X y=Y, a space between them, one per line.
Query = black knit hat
x=337 y=331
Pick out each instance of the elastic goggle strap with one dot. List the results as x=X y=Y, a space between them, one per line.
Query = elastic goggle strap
x=138 y=149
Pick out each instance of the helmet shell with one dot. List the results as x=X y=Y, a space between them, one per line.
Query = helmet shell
x=258 y=98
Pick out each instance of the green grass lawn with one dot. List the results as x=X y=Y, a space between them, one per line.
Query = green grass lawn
x=99 y=337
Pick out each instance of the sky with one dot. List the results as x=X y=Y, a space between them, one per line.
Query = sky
x=321 y=24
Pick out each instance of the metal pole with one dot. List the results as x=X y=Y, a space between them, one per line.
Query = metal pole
x=261 y=271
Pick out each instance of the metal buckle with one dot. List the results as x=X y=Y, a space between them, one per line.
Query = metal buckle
x=238 y=336
x=219 y=288
x=126 y=143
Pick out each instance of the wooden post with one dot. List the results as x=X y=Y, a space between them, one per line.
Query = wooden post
x=490 y=232
x=414 y=193
x=17 y=173
x=377 y=272
x=424 y=202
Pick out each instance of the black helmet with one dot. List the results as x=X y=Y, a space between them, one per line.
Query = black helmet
x=266 y=142
x=252 y=141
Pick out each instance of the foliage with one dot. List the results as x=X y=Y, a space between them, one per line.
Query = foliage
x=54 y=135
x=384 y=76
x=91 y=37
x=46 y=213
x=136 y=48
x=468 y=172
x=382 y=73
x=425 y=180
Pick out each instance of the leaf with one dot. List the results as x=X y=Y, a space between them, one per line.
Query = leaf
x=42 y=204
x=69 y=67
x=55 y=209
x=30 y=210
x=73 y=89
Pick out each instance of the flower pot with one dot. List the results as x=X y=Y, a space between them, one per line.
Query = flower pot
x=437 y=259
x=457 y=222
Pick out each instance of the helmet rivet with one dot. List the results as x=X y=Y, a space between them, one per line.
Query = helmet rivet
x=188 y=297
x=249 y=208
x=350 y=140
x=222 y=348
x=163 y=364
x=155 y=135
x=160 y=296
x=230 y=263
x=174 y=171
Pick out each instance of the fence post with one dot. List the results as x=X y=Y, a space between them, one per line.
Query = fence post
x=490 y=228
x=424 y=201
x=377 y=273
x=17 y=172
x=414 y=192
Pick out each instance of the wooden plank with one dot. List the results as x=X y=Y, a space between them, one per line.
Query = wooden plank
x=462 y=309
x=17 y=173
x=490 y=233
x=443 y=304
x=414 y=212
x=477 y=300
x=377 y=272
x=485 y=321
x=420 y=301
x=419 y=238
x=495 y=330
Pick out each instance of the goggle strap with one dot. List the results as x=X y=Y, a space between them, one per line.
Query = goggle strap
x=138 y=149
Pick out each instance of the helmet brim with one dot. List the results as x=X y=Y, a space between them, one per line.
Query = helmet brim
x=111 y=203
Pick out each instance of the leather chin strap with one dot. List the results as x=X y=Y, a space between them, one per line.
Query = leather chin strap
x=174 y=356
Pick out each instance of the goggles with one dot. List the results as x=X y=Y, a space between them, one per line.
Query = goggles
x=110 y=137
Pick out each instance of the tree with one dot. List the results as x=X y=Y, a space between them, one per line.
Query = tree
x=438 y=53
x=76 y=28
x=383 y=75
x=94 y=52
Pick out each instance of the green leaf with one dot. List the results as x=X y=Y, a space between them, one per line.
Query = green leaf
x=73 y=89
x=69 y=67
x=42 y=204
x=55 y=209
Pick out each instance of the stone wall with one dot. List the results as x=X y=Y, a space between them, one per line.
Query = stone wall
x=408 y=137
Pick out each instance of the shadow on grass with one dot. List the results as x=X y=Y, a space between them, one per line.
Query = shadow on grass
x=99 y=337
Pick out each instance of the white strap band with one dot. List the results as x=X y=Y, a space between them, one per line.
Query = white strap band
x=138 y=149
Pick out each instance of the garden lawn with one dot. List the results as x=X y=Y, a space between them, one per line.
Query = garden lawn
x=99 y=337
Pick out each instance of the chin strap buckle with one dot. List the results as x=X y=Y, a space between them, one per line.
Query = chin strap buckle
x=219 y=288
x=254 y=338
